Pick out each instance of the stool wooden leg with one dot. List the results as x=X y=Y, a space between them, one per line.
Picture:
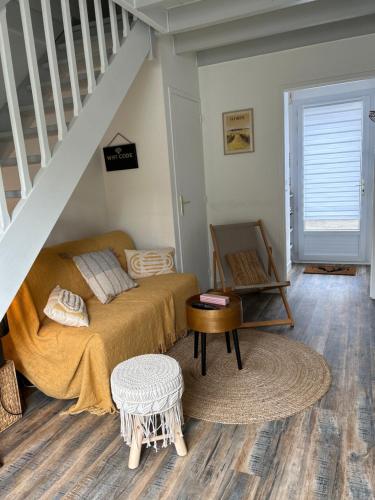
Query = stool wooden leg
x=237 y=349
x=227 y=338
x=196 y=340
x=179 y=442
x=203 y=353
x=135 y=448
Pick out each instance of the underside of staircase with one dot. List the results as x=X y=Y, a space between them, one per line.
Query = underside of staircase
x=53 y=122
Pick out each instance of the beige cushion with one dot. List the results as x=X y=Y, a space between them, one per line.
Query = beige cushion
x=146 y=263
x=66 y=308
x=246 y=268
x=104 y=275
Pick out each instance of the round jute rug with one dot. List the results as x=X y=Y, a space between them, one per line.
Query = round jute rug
x=280 y=377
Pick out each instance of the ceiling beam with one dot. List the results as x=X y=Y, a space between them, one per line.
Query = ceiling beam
x=263 y=25
x=293 y=39
x=153 y=15
x=139 y=4
x=209 y=12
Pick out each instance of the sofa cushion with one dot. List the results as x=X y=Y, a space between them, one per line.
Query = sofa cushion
x=104 y=274
x=66 y=308
x=146 y=263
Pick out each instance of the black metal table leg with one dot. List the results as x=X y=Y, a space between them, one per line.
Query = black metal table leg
x=227 y=338
x=237 y=349
x=203 y=353
x=196 y=340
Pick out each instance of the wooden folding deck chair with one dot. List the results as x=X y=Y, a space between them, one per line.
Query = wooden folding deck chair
x=241 y=255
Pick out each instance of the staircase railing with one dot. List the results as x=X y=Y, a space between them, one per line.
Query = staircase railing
x=7 y=63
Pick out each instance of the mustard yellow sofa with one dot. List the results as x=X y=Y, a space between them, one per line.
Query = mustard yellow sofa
x=76 y=363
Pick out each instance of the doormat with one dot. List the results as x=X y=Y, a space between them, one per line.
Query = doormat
x=330 y=269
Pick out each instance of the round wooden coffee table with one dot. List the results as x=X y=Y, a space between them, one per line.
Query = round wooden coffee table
x=224 y=320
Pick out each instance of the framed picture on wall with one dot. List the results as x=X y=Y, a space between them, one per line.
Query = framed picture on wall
x=238 y=131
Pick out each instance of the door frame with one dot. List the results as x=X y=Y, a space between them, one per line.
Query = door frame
x=296 y=158
x=175 y=202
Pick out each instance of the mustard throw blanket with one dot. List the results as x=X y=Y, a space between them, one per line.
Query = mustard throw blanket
x=67 y=362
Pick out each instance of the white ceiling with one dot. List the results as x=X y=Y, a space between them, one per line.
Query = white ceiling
x=219 y=29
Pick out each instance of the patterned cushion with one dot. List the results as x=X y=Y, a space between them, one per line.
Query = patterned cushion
x=145 y=263
x=66 y=308
x=246 y=268
x=104 y=274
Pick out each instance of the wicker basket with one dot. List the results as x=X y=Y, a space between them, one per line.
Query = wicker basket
x=10 y=404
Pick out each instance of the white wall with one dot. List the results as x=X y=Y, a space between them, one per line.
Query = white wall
x=86 y=212
x=137 y=201
x=251 y=186
x=140 y=201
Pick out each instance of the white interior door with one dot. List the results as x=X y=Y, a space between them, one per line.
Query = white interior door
x=189 y=186
x=333 y=179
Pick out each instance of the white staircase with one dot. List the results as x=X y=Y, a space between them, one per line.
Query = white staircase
x=57 y=120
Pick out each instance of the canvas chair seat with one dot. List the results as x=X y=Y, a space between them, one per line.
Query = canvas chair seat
x=245 y=264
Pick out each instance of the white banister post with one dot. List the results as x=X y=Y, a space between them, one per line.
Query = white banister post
x=54 y=70
x=86 y=37
x=13 y=105
x=4 y=214
x=114 y=27
x=36 y=90
x=125 y=23
x=101 y=37
x=70 y=51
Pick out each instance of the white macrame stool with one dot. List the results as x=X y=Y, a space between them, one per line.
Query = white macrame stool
x=147 y=390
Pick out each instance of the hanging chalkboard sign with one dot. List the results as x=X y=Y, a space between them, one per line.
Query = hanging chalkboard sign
x=121 y=156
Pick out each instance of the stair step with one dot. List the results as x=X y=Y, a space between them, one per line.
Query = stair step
x=12 y=162
x=49 y=106
x=77 y=29
x=13 y=194
x=28 y=132
x=80 y=58
x=82 y=76
x=79 y=42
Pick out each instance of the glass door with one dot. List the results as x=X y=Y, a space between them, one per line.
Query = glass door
x=333 y=179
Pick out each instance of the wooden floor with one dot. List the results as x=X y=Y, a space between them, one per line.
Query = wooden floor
x=326 y=452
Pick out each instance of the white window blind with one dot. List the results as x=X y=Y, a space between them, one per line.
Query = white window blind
x=332 y=156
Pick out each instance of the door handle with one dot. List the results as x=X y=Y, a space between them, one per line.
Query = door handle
x=183 y=202
x=362 y=186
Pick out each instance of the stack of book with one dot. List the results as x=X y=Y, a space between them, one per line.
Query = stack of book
x=211 y=298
